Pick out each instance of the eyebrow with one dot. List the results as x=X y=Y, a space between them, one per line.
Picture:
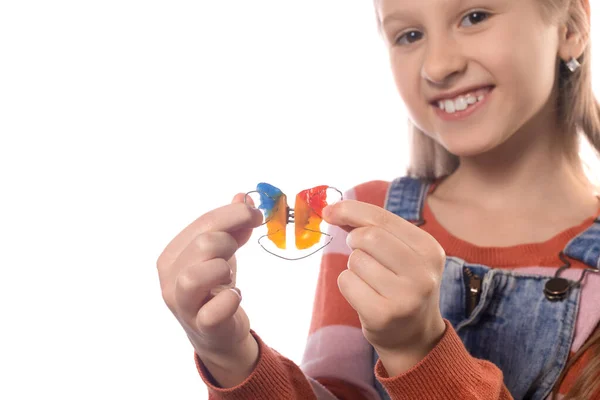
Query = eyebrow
x=402 y=15
x=397 y=16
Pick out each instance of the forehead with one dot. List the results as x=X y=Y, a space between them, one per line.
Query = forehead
x=386 y=5
x=387 y=9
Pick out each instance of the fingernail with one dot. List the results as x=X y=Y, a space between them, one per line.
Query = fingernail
x=249 y=201
x=326 y=211
x=237 y=292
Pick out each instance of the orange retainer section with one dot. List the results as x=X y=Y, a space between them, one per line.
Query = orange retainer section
x=307 y=216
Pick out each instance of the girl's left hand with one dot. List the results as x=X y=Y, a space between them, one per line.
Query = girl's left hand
x=392 y=281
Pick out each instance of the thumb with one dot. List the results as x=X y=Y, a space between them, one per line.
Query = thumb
x=241 y=197
x=243 y=235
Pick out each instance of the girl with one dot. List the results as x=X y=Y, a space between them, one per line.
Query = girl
x=473 y=276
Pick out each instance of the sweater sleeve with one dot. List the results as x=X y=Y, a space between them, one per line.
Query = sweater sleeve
x=447 y=372
x=274 y=378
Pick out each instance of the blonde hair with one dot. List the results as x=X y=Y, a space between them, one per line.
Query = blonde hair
x=580 y=112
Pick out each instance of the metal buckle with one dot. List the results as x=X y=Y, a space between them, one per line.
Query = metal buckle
x=557 y=289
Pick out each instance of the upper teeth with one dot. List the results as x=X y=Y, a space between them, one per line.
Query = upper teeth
x=463 y=101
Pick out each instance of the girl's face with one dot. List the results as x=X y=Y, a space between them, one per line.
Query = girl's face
x=491 y=64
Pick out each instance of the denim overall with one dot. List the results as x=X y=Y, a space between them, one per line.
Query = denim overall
x=513 y=324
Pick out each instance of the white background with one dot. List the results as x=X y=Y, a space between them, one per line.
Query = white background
x=123 y=121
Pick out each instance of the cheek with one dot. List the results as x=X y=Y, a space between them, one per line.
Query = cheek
x=538 y=72
x=526 y=72
x=407 y=77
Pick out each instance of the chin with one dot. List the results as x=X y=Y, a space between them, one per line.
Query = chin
x=466 y=146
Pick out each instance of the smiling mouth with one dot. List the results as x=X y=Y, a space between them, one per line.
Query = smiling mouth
x=463 y=101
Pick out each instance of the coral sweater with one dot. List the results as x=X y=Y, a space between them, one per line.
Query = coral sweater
x=337 y=363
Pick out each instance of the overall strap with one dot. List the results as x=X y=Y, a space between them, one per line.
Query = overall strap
x=405 y=197
x=585 y=247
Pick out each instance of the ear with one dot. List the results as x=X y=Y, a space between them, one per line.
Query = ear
x=571 y=43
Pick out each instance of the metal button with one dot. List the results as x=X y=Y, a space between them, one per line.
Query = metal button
x=556 y=289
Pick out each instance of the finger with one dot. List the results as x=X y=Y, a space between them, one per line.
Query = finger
x=242 y=236
x=195 y=283
x=205 y=247
x=359 y=295
x=242 y=198
x=386 y=250
x=353 y=213
x=218 y=311
x=236 y=217
x=381 y=279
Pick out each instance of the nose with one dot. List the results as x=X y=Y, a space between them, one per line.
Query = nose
x=443 y=59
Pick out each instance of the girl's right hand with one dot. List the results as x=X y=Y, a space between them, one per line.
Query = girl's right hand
x=197 y=278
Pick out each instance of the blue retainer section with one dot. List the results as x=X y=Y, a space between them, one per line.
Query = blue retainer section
x=269 y=195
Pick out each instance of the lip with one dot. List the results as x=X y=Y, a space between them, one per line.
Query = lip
x=456 y=93
x=460 y=115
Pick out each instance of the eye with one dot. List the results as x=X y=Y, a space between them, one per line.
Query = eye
x=473 y=18
x=409 y=37
x=476 y=17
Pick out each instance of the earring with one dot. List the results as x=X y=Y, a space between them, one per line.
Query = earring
x=573 y=64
